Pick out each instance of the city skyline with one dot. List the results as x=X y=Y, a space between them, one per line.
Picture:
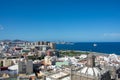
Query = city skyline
x=61 y=20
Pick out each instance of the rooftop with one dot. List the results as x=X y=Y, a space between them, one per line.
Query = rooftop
x=59 y=75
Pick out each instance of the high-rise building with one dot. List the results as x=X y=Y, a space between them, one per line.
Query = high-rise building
x=52 y=45
x=25 y=67
x=29 y=67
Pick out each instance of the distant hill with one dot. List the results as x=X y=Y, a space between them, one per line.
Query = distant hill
x=6 y=40
x=16 y=40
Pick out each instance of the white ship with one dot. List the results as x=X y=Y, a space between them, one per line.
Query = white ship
x=94 y=45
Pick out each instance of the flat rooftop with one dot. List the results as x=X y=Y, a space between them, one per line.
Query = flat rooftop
x=66 y=78
x=59 y=75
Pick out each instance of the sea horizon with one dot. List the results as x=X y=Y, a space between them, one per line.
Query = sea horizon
x=101 y=47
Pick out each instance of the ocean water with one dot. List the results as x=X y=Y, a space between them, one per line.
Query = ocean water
x=102 y=47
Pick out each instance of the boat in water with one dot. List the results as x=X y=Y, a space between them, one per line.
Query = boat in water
x=94 y=45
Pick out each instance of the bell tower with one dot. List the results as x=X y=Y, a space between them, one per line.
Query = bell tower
x=91 y=60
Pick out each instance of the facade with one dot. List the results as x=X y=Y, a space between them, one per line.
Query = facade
x=29 y=67
x=25 y=67
x=51 y=44
x=48 y=60
x=5 y=62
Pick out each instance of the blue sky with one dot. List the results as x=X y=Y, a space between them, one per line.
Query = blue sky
x=63 y=20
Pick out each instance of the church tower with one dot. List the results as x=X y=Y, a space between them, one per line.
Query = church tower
x=91 y=60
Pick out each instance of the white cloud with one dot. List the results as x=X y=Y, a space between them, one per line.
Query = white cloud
x=111 y=34
x=1 y=27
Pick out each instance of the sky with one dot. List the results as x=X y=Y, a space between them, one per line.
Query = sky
x=60 y=20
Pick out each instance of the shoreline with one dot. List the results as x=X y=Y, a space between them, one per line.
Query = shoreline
x=95 y=53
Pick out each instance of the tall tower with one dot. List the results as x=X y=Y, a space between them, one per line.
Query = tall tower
x=113 y=73
x=91 y=60
x=29 y=67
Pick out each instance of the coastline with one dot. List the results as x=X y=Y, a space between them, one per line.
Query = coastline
x=95 y=53
x=97 y=47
